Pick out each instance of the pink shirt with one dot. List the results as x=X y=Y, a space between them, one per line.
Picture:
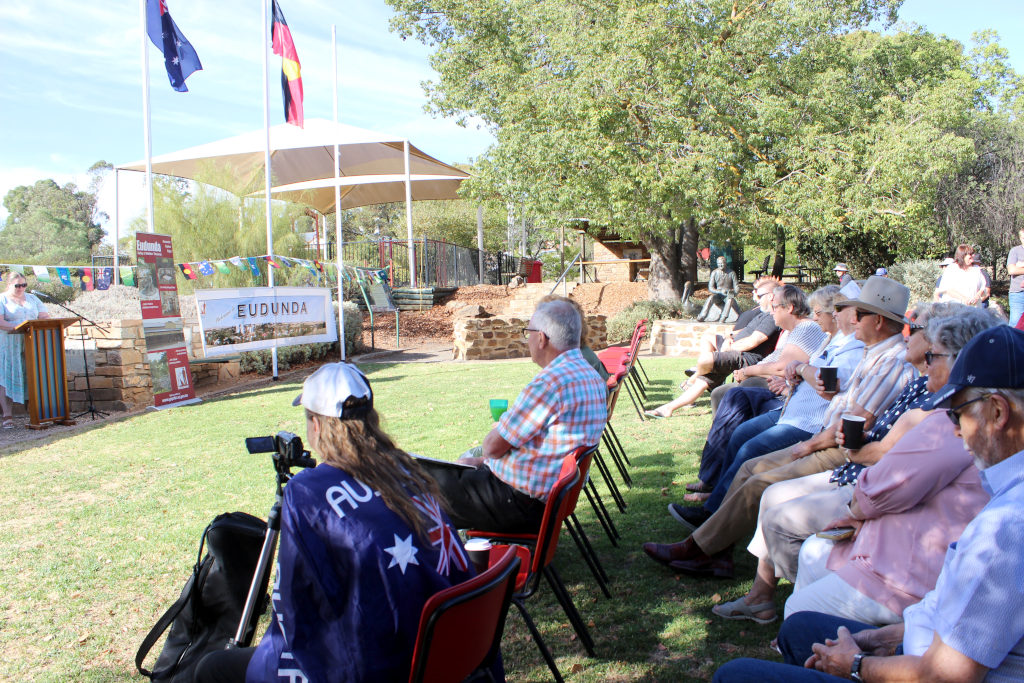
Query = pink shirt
x=916 y=500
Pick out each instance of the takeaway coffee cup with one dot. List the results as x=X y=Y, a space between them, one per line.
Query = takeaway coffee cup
x=479 y=551
x=829 y=377
x=853 y=431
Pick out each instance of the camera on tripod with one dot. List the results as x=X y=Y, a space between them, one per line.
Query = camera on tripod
x=286 y=447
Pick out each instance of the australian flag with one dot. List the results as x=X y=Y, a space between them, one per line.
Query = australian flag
x=179 y=56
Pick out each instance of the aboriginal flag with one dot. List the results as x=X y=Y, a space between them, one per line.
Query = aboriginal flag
x=180 y=57
x=291 y=70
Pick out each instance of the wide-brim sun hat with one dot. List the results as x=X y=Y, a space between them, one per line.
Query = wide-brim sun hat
x=326 y=390
x=881 y=295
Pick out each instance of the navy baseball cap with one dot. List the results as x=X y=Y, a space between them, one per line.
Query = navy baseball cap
x=994 y=359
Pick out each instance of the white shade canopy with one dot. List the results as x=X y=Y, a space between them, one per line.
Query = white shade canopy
x=298 y=155
x=367 y=190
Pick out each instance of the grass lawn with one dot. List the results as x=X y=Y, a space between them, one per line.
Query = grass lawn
x=101 y=529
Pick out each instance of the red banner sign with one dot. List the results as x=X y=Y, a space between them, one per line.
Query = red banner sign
x=166 y=352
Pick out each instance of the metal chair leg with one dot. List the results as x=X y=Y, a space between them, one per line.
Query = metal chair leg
x=609 y=483
x=558 y=588
x=601 y=512
x=541 y=645
x=587 y=551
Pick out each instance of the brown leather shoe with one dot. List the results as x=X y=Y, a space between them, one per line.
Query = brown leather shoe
x=672 y=552
x=719 y=565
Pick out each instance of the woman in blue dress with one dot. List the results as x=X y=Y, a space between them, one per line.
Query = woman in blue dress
x=17 y=306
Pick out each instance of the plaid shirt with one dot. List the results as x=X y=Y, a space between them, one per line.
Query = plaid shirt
x=564 y=407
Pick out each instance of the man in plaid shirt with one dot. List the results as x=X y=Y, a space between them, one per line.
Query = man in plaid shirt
x=562 y=408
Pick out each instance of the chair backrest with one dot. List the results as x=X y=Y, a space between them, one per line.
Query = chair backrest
x=461 y=626
x=583 y=456
x=554 y=513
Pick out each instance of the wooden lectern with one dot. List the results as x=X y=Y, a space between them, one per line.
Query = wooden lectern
x=46 y=371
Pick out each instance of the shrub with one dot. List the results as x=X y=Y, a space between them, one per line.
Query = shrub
x=54 y=289
x=261 y=362
x=103 y=305
x=353 y=326
x=620 y=327
x=919 y=276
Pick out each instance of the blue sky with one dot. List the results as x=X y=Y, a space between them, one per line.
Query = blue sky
x=71 y=74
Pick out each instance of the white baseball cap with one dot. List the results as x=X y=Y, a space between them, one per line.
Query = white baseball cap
x=326 y=390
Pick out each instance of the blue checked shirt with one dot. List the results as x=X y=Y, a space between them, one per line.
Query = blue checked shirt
x=564 y=407
x=977 y=607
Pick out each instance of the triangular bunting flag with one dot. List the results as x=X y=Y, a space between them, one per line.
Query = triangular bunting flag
x=271 y=262
x=87 y=284
x=236 y=261
x=206 y=268
x=186 y=270
x=319 y=266
x=127 y=276
x=42 y=274
x=222 y=266
x=64 y=275
x=311 y=269
x=104 y=276
x=287 y=261
x=252 y=266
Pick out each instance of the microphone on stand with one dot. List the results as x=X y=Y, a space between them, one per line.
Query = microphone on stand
x=42 y=295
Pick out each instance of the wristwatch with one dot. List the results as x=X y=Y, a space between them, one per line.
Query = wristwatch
x=855 y=667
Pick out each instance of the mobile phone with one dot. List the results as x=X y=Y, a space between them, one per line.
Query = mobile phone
x=839 y=534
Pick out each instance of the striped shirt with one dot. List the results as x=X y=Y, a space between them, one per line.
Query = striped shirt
x=806 y=409
x=562 y=408
x=876 y=381
x=807 y=336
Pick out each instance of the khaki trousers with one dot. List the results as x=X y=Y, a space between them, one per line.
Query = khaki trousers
x=737 y=515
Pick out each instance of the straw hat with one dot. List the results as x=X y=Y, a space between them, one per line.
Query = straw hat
x=881 y=295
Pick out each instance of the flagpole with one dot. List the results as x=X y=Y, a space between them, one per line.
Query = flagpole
x=408 y=218
x=266 y=163
x=146 y=133
x=337 y=200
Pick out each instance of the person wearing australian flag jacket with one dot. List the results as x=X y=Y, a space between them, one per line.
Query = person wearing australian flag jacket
x=364 y=543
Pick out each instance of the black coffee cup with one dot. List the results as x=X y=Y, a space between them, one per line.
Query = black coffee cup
x=853 y=431
x=479 y=551
x=829 y=377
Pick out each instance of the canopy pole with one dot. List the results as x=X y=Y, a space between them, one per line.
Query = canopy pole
x=266 y=163
x=408 y=217
x=146 y=133
x=117 y=232
x=337 y=202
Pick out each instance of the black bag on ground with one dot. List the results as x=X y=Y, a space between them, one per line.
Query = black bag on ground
x=207 y=614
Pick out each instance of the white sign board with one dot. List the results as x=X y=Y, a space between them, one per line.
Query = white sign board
x=253 y=318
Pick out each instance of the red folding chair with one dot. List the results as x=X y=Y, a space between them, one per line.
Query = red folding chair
x=461 y=626
x=538 y=563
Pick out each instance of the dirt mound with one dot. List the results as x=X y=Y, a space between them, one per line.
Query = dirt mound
x=435 y=326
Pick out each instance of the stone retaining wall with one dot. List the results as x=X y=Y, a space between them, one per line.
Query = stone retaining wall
x=502 y=337
x=118 y=372
x=681 y=337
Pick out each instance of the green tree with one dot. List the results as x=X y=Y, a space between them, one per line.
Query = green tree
x=661 y=119
x=49 y=224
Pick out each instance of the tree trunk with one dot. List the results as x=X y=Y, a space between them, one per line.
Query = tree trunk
x=673 y=261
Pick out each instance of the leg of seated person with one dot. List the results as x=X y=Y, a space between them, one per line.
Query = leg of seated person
x=748 y=670
x=738 y=513
x=799 y=632
x=820 y=590
x=788 y=492
x=476 y=499
x=786 y=527
x=767 y=441
x=710 y=343
x=224 y=666
x=694 y=388
x=736 y=408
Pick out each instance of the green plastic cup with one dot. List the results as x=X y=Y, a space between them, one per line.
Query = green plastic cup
x=498 y=407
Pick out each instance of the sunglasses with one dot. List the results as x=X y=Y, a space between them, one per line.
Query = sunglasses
x=929 y=356
x=914 y=327
x=20 y=286
x=863 y=314
x=954 y=413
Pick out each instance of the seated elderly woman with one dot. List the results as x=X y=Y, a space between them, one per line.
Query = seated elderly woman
x=921 y=467
x=364 y=544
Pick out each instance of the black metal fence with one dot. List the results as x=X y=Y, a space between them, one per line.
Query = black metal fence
x=438 y=264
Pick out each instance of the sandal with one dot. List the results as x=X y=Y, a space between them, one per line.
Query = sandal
x=696 y=497
x=8 y=423
x=739 y=610
x=655 y=414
